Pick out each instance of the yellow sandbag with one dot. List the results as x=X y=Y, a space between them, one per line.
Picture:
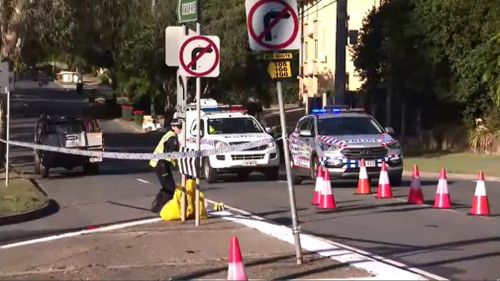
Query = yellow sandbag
x=172 y=210
x=191 y=200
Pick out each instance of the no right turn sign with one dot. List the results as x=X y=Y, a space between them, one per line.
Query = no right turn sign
x=199 y=56
x=272 y=25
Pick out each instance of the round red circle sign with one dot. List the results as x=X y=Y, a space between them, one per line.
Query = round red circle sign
x=186 y=67
x=258 y=38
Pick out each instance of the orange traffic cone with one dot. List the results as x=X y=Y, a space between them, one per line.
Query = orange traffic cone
x=318 y=186
x=236 y=269
x=442 y=200
x=363 y=182
x=384 y=190
x=327 y=200
x=415 y=196
x=480 y=205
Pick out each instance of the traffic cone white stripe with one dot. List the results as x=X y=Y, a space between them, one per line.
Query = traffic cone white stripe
x=362 y=173
x=234 y=273
x=442 y=186
x=480 y=189
x=384 y=178
x=327 y=188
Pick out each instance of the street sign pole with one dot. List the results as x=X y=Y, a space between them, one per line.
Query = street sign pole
x=273 y=25
x=7 y=138
x=180 y=88
x=198 y=122
x=291 y=191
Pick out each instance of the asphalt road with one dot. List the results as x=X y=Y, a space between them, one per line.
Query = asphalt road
x=444 y=242
x=81 y=200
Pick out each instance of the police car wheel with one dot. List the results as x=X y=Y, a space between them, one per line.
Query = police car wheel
x=295 y=179
x=314 y=167
x=210 y=173
x=37 y=164
x=44 y=170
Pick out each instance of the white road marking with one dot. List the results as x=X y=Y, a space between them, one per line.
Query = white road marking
x=144 y=181
x=81 y=232
x=382 y=268
x=20 y=101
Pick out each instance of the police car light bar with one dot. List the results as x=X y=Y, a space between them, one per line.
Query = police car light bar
x=225 y=109
x=336 y=109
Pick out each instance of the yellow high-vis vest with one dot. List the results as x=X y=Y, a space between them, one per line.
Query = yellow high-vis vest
x=159 y=149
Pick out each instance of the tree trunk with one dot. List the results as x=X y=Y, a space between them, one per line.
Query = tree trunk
x=388 y=106
x=403 y=119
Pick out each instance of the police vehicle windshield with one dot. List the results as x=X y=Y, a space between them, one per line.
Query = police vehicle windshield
x=233 y=126
x=348 y=126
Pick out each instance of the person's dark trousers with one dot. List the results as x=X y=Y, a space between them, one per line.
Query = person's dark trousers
x=164 y=173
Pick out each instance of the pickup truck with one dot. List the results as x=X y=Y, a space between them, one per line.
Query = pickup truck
x=67 y=132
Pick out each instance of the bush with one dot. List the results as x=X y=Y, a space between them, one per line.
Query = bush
x=483 y=136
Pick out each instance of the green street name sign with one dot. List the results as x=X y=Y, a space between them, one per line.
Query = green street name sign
x=187 y=11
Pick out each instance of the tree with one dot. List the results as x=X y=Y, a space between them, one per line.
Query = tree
x=427 y=50
x=461 y=37
x=390 y=55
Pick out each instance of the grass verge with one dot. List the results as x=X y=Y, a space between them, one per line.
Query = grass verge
x=21 y=196
x=459 y=163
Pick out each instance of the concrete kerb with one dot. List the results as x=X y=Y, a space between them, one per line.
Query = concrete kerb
x=452 y=176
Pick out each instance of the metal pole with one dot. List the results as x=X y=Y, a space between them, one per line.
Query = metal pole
x=291 y=192
x=184 y=123
x=7 y=138
x=184 y=135
x=198 y=122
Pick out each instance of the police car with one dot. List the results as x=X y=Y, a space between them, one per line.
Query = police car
x=223 y=125
x=338 y=138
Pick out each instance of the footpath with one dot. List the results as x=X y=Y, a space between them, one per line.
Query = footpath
x=166 y=250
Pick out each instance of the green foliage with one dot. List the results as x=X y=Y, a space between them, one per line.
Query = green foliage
x=447 y=48
x=459 y=33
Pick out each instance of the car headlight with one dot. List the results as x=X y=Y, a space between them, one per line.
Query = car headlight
x=221 y=145
x=271 y=144
x=327 y=147
x=394 y=145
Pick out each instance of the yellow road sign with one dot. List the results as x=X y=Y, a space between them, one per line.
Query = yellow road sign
x=277 y=56
x=279 y=69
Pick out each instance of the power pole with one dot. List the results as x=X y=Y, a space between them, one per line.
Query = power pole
x=340 y=53
x=152 y=97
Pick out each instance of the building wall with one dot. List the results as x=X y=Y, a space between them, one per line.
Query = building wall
x=318 y=21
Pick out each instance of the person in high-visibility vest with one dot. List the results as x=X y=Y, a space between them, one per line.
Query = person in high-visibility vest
x=163 y=168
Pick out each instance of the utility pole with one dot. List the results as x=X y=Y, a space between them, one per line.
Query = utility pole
x=152 y=98
x=340 y=52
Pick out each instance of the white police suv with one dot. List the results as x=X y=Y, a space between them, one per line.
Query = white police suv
x=223 y=125
x=338 y=138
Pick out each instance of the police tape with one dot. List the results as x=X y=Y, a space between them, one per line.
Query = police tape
x=143 y=156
